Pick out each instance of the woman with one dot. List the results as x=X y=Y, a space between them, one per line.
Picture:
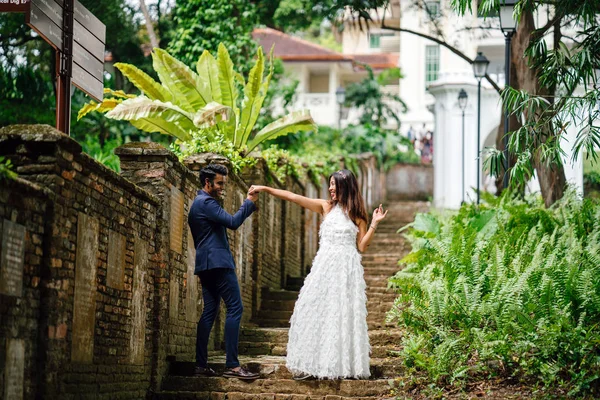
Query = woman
x=328 y=335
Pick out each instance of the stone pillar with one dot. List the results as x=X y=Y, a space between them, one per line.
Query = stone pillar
x=158 y=170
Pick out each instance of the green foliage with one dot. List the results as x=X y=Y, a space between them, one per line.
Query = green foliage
x=103 y=153
x=200 y=106
x=370 y=96
x=202 y=25
x=508 y=288
x=295 y=15
x=561 y=69
x=220 y=145
x=6 y=169
x=329 y=145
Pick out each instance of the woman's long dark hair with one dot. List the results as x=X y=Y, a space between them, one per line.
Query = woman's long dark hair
x=348 y=196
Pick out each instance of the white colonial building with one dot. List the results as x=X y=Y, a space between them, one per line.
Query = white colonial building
x=433 y=78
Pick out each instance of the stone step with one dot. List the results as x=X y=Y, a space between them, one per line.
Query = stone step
x=379 y=308
x=376 y=281
x=293 y=283
x=381 y=271
x=279 y=336
x=171 y=395
x=279 y=295
x=273 y=368
x=264 y=315
x=279 y=305
x=380 y=324
x=374 y=290
x=348 y=388
x=273 y=323
x=273 y=349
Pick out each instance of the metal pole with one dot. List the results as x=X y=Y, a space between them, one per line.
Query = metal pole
x=64 y=73
x=463 y=158
x=506 y=117
x=340 y=118
x=478 y=136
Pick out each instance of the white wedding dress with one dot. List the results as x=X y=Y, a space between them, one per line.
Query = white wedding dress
x=328 y=336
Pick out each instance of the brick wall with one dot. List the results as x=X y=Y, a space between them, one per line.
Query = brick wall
x=23 y=206
x=108 y=294
x=98 y=261
x=293 y=233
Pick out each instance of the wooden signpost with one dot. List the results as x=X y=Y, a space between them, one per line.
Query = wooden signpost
x=78 y=37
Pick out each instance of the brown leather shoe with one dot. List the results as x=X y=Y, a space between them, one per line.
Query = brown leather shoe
x=240 y=373
x=204 y=371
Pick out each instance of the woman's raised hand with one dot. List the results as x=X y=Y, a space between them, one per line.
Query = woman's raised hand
x=256 y=189
x=378 y=215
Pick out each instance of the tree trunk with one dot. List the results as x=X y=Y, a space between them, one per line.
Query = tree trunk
x=149 y=26
x=551 y=178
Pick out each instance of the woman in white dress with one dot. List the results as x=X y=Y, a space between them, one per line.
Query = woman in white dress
x=328 y=335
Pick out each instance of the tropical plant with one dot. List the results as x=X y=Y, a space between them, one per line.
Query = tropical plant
x=200 y=105
x=378 y=106
x=508 y=288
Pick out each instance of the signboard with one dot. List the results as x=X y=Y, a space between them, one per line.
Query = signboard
x=14 y=5
x=79 y=38
x=89 y=20
x=43 y=24
x=86 y=82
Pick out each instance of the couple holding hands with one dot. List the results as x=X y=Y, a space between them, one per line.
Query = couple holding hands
x=328 y=335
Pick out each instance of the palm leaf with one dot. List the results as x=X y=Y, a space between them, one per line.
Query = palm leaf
x=156 y=124
x=119 y=93
x=229 y=90
x=291 y=123
x=211 y=114
x=226 y=74
x=208 y=72
x=252 y=101
x=144 y=82
x=142 y=107
x=189 y=91
x=106 y=105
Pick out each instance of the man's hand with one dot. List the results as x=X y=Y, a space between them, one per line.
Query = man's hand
x=252 y=196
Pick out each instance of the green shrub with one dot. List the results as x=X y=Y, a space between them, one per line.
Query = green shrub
x=6 y=169
x=509 y=288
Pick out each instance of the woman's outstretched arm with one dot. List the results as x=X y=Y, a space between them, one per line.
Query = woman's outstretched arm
x=316 y=205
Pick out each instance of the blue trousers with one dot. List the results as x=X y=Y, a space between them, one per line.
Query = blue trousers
x=217 y=284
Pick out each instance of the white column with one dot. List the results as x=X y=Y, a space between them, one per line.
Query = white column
x=333 y=84
x=448 y=149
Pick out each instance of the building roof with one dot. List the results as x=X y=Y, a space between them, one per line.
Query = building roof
x=289 y=48
x=378 y=60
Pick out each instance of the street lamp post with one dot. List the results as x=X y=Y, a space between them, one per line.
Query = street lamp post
x=508 y=25
x=480 y=66
x=340 y=98
x=462 y=104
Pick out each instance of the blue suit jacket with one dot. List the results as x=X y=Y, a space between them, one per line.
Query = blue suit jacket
x=209 y=222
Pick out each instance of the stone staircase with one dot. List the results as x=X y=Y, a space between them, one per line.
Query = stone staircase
x=263 y=346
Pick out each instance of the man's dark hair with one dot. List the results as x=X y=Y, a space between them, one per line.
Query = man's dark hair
x=210 y=172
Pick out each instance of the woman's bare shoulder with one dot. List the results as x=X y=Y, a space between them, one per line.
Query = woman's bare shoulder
x=327 y=206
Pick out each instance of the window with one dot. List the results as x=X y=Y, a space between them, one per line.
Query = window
x=432 y=63
x=375 y=39
x=432 y=9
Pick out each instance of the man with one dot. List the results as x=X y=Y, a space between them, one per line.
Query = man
x=214 y=264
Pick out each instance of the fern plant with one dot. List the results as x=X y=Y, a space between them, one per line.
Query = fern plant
x=508 y=288
x=202 y=104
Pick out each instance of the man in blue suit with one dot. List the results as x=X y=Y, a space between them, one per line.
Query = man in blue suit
x=214 y=264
